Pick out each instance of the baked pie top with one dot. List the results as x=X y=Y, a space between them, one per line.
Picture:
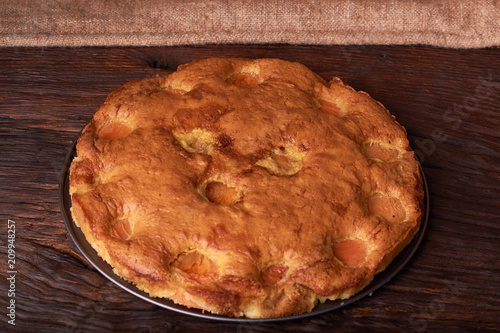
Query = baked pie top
x=245 y=187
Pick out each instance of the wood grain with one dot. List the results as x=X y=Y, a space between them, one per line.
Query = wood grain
x=447 y=100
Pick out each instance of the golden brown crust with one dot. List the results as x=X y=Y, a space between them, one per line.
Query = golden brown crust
x=245 y=187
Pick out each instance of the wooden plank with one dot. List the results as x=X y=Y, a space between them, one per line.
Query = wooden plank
x=447 y=100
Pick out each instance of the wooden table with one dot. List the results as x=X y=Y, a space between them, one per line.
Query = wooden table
x=448 y=100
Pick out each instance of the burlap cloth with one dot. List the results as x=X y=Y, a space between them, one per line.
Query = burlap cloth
x=447 y=23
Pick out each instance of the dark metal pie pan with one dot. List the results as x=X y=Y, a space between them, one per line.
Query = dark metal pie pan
x=91 y=255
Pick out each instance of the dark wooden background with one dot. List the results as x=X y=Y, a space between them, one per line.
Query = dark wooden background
x=448 y=100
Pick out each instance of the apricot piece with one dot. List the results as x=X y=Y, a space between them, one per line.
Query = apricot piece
x=195 y=265
x=121 y=229
x=273 y=274
x=329 y=107
x=244 y=79
x=221 y=194
x=114 y=130
x=351 y=252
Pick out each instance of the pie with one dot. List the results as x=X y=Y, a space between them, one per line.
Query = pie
x=245 y=187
